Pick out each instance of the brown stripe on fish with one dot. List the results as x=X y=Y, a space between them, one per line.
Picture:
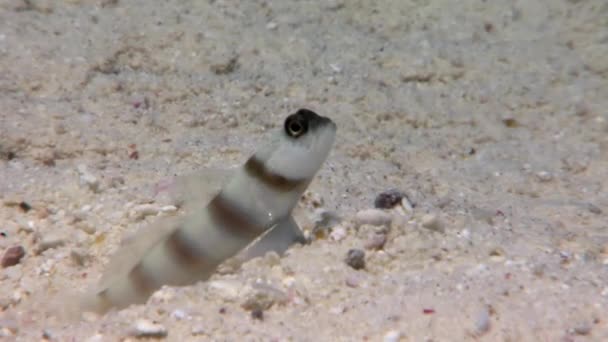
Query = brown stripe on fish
x=255 y=168
x=140 y=280
x=184 y=251
x=224 y=214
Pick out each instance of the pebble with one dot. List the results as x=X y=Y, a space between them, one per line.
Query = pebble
x=146 y=328
x=79 y=256
x=88 y=178
x=482 y=321
x=179 y=314
x=338 y=234
x=141 y=211
x=355 y=258
x=582 y=329
x=262 y=297
x=325 y=219
x=375 y=241
x=198 y=330
x=593 y=209
x=432 y=222
x=85 y=227
x=388 y=199
x=352 y=280
x=374 y=217
x=544 y=176
x=12 y=256
x=227 y=290
x=392 y=336
x=48 y=243
x=168 y=209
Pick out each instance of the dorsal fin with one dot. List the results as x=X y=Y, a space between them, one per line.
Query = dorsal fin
x=198 y=188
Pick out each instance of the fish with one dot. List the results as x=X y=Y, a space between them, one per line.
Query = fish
x=249 y=215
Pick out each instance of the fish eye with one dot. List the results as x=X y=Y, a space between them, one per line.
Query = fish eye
x=296 y=125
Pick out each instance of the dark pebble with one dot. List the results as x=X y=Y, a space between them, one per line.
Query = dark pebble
x=257 y=314
x=12 y=256
x=355 y=258
x=25 y=206
x=388 y=199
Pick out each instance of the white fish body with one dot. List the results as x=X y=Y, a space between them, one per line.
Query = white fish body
x=255 y=202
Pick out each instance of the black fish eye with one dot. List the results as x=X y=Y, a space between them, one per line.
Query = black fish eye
x=296 y=125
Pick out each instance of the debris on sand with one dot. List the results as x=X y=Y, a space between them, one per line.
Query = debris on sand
x=12 y=256
x=355 y=258
x=388 y=199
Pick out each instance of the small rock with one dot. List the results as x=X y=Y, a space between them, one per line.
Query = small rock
x=79 y=256
x=227 y=290
x=141 y=211
x=388 y=199
x=168 y=209
x=392 y=336
x=375 y=241
x=48 y=243
x=374 y=217
x=257 y=314
x=145 y=328
x=179 y=314
x=337 y=234
x=432 y=222
x=88 y=178
x=271 y=25
x=262 y=297
x=593 y=209
x=482 y=321
x=198 y=330
x=544 y=176
x=355 y=258
x=352 y=280
x=85 y=227
x=25 y=206
x=325 y=219
x=583 y=329
x=12 y=256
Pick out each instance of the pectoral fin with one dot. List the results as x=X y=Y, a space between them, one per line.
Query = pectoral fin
x=279 y=238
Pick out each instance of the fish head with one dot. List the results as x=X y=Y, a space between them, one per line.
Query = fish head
x=300 y=147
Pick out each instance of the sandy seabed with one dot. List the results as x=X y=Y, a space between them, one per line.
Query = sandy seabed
x=491 y=116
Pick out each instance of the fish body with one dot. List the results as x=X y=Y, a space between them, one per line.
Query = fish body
x=254 y=203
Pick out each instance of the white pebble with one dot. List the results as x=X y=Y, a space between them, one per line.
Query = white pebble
x=88 y=178
x=392 y=336
x=49 y=242
x=145 y=328
x=335 y=68
x=405 y=203
x=272 y=25
x=179 y=314
x=432 y=222
x=374 y=217
x=168 y=209
x=337 y=234
x=227 y=290
x=141 y=211
x=544 y=176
